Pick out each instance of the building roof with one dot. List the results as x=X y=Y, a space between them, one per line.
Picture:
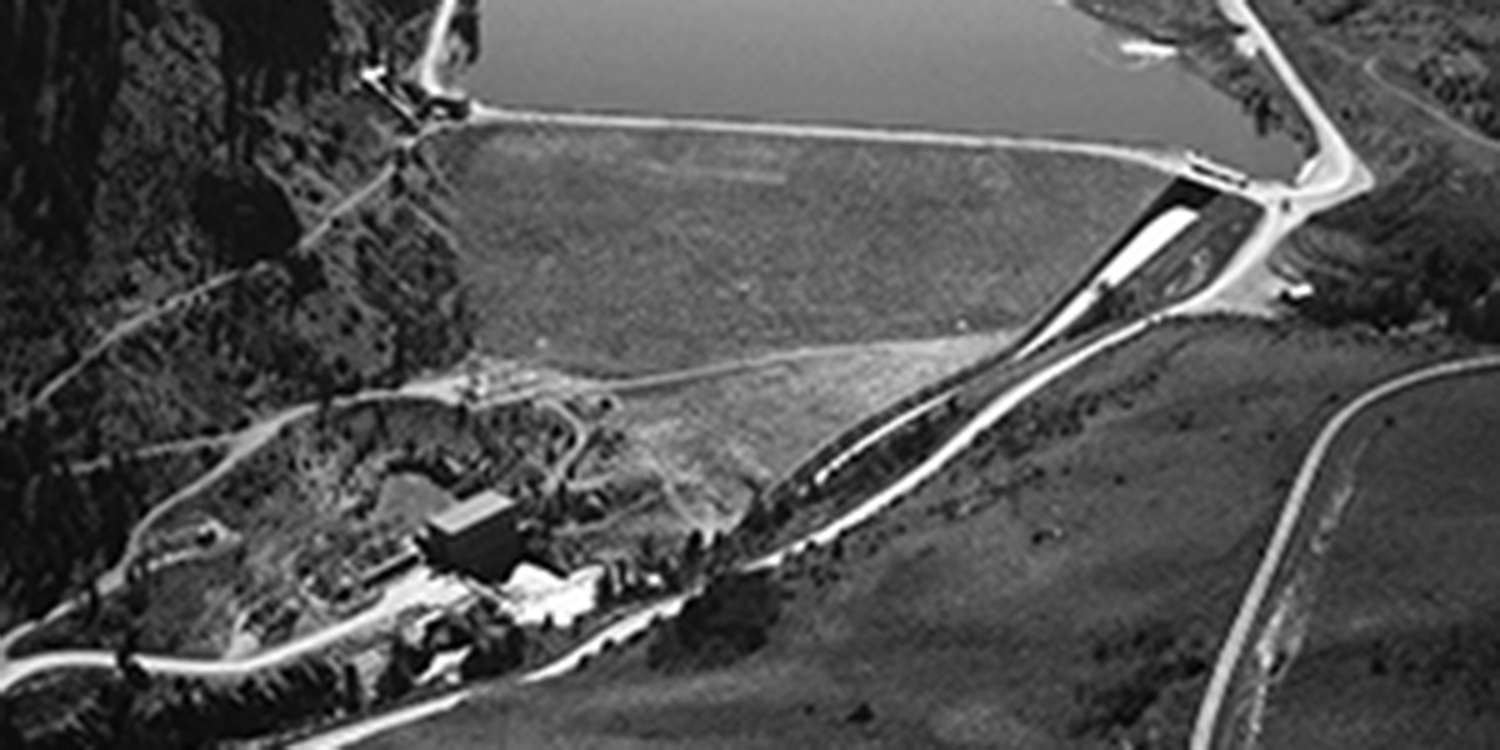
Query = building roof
x=471 y=512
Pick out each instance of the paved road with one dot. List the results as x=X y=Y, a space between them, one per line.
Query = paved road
x=642 y=620
x=1335 y=175
x=1142 y=248
x=1247 y=283
x=430 y=67
x=418 y=589
x=1210 y=727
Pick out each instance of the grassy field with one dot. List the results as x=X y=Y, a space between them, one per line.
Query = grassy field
x=712 y=444
x=1050 y=590
x=626 y=251
x=1402 y=647
x=668 y=458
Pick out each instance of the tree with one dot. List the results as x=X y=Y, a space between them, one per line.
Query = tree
x=245 y=215
x=404 y=663
x=730 y=619
x=10 y=734
x=131 y=671
x=494 y=654
x=268 y=49
x=691 y=559
x=353 y=689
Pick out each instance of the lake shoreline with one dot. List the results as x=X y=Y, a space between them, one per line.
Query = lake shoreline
x=882 y=78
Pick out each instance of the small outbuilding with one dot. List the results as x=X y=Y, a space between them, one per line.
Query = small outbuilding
x=480 y=537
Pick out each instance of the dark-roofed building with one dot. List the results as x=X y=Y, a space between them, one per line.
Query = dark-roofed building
x=479 y=537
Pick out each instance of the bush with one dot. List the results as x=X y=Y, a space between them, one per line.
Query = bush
x=245 y=215
x=730 y=620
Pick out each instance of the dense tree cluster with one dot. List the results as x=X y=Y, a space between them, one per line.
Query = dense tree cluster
x=62 y=73
x=466 y=27
x=67 y=53
x=1429 y=244
x=731 y=619
x=1465 y=87
x=1332 y=12
x=246 y=216
x=798 y=500
x=270 y=49
x=57 y=530
x=168 y=713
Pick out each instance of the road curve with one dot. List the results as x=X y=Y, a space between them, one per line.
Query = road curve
x=1338 y=175
x=417 y=589
x=1206 y=729
x=1333 y=176
x=642 y=620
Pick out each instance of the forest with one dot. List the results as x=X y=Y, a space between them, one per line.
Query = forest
x=1424 y=246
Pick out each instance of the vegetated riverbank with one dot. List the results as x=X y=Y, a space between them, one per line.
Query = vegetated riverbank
x=1442 y=55
x=976 y=67
x=654 y=251
x=1207 y=47
x=1416 y=253
x=1396 y=613
x=1063 y=584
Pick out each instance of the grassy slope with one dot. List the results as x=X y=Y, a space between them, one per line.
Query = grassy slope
x=714 y=441
x=1402 y=647
x=1063 y=595
x=656 y=251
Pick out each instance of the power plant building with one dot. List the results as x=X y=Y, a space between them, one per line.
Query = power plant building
x=480 y=537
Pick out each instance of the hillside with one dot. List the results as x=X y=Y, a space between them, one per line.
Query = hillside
x=1052 y=588
x=632 y=252
x=176 y=263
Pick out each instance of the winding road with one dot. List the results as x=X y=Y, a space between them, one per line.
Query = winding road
x=1247 y=284
x=144 y=319
x=418 y=589
x=1210 y=729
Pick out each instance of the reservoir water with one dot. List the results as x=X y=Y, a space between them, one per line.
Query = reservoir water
x=1027 y=67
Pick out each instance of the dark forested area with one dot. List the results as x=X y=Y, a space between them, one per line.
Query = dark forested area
x=270 y=49
x=134 y=711
x=58 y=530
x=1429 y=245
x=731 y=619
x=66 y=54
x=126 y=128
x=1456 y=58
x=246 y=216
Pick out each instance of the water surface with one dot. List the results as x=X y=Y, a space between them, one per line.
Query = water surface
x=1030 y=67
